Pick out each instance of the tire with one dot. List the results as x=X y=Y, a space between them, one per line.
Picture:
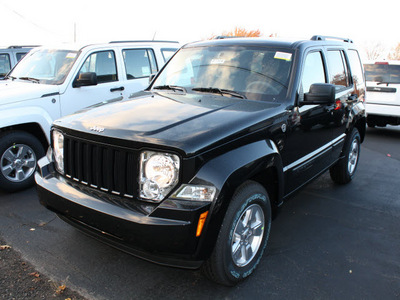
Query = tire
x=344 y=170
x=371 y=124
x=19 y=153
x=231 y=260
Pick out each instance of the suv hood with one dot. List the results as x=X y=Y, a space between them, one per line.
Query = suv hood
x=17 y=91
x=189 y=122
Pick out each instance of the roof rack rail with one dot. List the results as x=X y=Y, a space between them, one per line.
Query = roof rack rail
x=22 y=46
x=221 y=37
x=324 y=38
x=143 y=41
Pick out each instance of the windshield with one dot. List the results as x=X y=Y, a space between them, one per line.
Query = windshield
x=382 y=73
x=45 y=66
x=256 y=73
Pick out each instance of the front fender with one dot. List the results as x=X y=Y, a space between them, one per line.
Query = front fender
x=25 y=115
x=227 y=172
x=234 y=167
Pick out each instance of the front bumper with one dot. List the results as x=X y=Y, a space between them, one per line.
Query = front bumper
x=164 y=233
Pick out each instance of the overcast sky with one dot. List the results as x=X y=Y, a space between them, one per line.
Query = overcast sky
x=48 y=21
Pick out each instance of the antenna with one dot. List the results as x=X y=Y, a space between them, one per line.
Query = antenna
x=154 y=35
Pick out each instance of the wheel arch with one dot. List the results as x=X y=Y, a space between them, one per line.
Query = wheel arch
x=358 y=120
x=32 y=128
x=360 y=124
x=259 y=162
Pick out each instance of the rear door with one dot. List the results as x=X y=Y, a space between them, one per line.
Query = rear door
x=339 y=75
x=138 y=65
x=346 y=73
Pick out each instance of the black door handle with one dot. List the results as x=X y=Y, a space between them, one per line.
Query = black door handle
x=121 y=88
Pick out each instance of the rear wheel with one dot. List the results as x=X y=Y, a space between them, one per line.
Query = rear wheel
x=344 y=170
x=371 y=124
x=243 y=236
x=19 y=153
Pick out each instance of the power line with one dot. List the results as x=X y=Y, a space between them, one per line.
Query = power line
x=27 y=19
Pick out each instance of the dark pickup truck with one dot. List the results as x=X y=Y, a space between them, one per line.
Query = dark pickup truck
x=189 y=172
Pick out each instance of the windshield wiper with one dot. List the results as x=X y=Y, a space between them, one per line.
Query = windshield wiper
x=9 y=77
x=219 y=91
x=170 y=87
x=30 y=79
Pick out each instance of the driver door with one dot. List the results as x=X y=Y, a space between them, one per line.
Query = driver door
x=109 y=86
x=307 y=149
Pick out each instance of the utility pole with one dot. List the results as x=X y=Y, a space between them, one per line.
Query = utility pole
x=74 y=32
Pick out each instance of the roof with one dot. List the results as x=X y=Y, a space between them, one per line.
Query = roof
x=80 y=46
x=274 y=42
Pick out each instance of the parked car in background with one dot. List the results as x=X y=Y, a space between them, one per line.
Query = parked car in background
x=383 y=93
x=10 y=56
x=51 y=82
x=188 y=172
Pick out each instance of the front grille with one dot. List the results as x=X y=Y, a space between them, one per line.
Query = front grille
x=104 y=167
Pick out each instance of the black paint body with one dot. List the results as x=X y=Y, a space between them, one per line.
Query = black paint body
x=221 y=141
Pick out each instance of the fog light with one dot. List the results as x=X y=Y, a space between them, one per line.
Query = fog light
x=151 y=190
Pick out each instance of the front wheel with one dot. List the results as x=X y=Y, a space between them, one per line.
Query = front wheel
x=19 y=153
x=243 y=236
x=344 y=170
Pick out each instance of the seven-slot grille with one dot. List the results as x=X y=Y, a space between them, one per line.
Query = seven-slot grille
x=100 y=166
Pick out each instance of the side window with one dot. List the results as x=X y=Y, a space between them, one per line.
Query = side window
x=139 y=63
x=313 y=71
x=103 y=64
x=5 y=64
x=167 y=53
x=356 y=68
x=338 y=74
x=20 y=55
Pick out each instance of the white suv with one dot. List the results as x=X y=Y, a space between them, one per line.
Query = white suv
x=383 y=93
x=51 y=82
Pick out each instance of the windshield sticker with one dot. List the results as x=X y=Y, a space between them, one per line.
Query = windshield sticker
x=71 y=55
x=216 y=61
x=283 y=56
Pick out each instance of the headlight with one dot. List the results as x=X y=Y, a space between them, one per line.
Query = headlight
x=159 y=174
x=58 y=150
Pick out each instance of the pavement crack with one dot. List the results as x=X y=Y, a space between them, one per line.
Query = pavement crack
x=44 y=223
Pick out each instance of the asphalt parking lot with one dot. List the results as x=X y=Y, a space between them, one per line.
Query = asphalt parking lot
x=328 y=242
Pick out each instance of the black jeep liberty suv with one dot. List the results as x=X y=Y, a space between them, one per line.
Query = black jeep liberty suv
x=188 y=172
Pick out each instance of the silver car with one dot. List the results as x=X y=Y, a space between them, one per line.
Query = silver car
x=10 y=56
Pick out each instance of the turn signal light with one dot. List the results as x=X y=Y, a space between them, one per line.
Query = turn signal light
x=200 y=225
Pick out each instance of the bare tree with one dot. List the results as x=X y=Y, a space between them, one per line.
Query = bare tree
x=239 y=31
x=374 y=50
x=243 y=32
x=395 y=53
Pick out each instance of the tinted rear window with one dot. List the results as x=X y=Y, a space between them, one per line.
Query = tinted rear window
x=382 y=73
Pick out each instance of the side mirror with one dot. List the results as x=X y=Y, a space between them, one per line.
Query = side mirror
x=85 y=79
x=320 y=93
